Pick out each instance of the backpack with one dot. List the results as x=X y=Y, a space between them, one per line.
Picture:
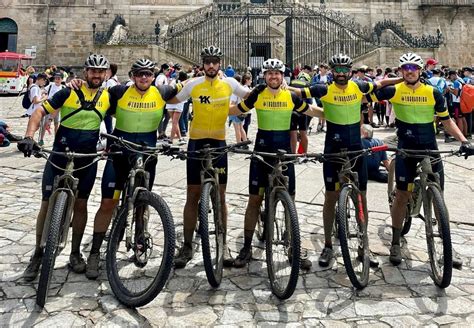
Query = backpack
x=26 y=102
x=467 y=98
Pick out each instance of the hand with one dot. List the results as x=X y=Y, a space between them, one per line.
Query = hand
x=27 y=145
x=75 y=84
x=466 y=149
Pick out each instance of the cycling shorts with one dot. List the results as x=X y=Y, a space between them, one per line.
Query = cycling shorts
x=86 y=176
x=405 y=168
x=269 y=142
x=194 y=165
x=331 y=169
x=116 y=173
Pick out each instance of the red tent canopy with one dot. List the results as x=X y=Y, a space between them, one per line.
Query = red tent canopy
x=13 y=55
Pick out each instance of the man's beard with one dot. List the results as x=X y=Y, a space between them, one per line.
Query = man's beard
x=341 y=81
x=142 y=89
x=211 y=75
x=93 y=85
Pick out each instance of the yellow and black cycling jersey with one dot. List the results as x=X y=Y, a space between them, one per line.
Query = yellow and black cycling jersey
x=342 y=110
x=211 y=102
x=79 y=127
x=138 y=116
x=414 y=109
x=274 y=110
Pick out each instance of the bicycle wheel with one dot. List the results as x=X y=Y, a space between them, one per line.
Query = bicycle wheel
x=438 y=236
x=138 y=268
x=262 y=217
x=353 y=237
x=51 y=249
x=282 y=245
x=391 y=190
x=212 y=233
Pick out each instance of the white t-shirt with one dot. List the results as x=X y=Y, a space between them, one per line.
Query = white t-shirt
x=161 y=80
x=52 y=88
x=112 y=82
x=237 y=88
x=35 y=91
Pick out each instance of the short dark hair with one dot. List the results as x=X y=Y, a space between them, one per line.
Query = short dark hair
x=41 y=76
x=113 y=68
x=307 y=67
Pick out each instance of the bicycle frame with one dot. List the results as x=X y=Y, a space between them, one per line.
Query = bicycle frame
x=130 y=194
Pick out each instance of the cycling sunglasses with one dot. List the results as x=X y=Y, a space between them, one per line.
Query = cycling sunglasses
x=410 y=67
x=144 y=73
x=342 y=69
x=211 y=60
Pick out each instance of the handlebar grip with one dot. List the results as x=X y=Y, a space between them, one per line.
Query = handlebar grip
x=375 y=149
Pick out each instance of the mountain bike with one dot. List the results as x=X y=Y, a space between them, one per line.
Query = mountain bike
x=59 y=215
x=278 y=222
x=211 y=222
x=351 y=221
x=141 y=245
x=428 y=195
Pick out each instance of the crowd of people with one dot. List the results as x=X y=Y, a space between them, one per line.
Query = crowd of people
x=334 y=93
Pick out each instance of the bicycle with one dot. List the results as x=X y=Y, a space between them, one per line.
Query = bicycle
x=278 y=224
x=59 y=215
x=427 y=194
x=351 y=221
x=139 y=265
x=212 y=231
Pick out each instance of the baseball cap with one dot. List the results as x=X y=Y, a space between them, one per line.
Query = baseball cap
x=431 y=61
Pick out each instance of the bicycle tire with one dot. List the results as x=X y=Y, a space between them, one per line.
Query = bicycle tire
x=262 y=217
x=441 y=268
x=50 y=251
x=391 y=189
x=139 y=298
x=212 y=255
x=291 y=248
x=346 y=224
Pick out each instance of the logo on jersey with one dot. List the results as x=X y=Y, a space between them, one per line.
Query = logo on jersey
x=346 y=98
x=205 y=99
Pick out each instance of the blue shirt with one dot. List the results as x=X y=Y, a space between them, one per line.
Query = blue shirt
x=374 y=160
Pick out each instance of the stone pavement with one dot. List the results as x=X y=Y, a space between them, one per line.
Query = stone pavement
x=395 y=297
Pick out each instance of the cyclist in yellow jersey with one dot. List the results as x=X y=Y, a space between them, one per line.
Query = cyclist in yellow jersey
x=274 y=107
x=341 y=101
x=138 y=110
x=82 y=111
x=415 y=105
x=211 y=100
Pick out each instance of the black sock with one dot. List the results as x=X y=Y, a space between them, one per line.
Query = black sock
x=76 y=243
x=328 y=245
x=248 y=236
x=396 y=233
x=97 y=239
x=188 y=236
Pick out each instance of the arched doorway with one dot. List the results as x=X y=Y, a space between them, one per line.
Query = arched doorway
x=8 y=34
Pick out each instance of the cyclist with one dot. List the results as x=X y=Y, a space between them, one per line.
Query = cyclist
x=341 y=101
x=274 y=107
x=415 y=104
x=81 y=112
x=138 y=110
x=211 y=100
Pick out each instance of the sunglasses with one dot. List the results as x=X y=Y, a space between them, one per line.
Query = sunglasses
x=143 y=74
x=342 y=69
x=410 y=67
x=211 y=60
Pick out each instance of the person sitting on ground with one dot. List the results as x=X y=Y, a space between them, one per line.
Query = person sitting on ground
x=375 y=159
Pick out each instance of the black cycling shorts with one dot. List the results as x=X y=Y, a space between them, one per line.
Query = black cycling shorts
x=194 y=165
x=331 y=170
x=299 y=122
x=86 y=176
x=116 y=173
x=269 y=142
x=405 y=168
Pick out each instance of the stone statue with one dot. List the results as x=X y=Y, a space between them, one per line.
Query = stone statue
x=279 y=49
x=119 y=34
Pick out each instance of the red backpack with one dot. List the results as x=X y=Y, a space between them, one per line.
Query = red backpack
x=467 y=98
